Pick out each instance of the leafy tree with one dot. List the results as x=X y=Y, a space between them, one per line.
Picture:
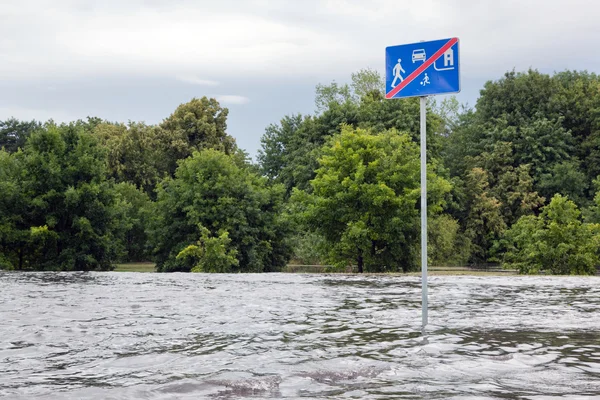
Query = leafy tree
x=379 y=114
x=57 y=214
x=196 y=125
x=14 y=232
x=483 y=223
x=364 y=199
x=577 y=100
x=511 y=185
x=518 y=98
x=210 y=190
x=590 y=158
x=14 y=133
x=132 y=213
x=446 y=244
x=134 y=154
x=279 y=143
x=567 y=179
x=461 y=146
x=334 y=93
x=548 y=119
x=308 y=248
x=592 y=213
x=450 y=111
x=291 y=149
x=556 y=241
x=366 y=82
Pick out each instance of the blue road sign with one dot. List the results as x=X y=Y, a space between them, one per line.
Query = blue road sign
x=422 y=69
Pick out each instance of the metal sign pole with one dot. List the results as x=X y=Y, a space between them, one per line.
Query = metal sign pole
x=423 y=101
x=419 y=70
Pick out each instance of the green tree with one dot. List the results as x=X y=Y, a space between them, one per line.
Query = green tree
x=134 y=153
x=366 y=82
x=483 y=222
x=131 y=216
x=518 y=97
x=565 y=178
x=592 y=212
x=14 y=133
x=211 y=190
x=290 y=150
x=58 y=211
x=364 y=200
x=556 y=241
x=334 y=93
x=196 y=125
x=577 y=100
x=14 y=231
x=512 y=186
x=446 y=244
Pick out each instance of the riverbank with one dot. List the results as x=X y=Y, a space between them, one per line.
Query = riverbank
x=317 y=269
x=136 y=267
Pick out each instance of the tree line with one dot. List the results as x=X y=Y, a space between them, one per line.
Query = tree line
x=513 y=180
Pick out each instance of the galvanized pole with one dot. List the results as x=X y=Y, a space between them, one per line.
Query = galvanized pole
x=423 y=210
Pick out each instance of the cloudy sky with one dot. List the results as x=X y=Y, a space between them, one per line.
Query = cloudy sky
x=139 y=59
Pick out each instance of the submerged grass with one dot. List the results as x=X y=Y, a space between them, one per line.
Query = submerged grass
x=434 y=271
x=135 y=267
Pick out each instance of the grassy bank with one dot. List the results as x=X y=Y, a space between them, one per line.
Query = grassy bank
x=433 y=271
x=436 y=270
x=135 y=267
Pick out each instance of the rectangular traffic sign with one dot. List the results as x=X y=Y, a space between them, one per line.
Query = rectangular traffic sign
x=422 y=69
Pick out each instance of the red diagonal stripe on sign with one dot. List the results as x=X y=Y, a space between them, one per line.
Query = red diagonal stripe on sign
x=422 y=68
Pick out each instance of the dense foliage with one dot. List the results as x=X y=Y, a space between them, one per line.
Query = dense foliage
x=364 y=199
x=514 y=180
x=56 y=208
x=556 y=241
x=211 y=192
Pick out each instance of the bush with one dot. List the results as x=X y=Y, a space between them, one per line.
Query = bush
x=307 y=248
x=557 y=241
x=211 y=254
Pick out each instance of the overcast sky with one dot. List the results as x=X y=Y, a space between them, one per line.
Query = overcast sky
x=139 y=59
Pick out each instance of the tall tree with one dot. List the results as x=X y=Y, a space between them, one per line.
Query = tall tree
x=132 y=214
x=196 y=125
x=483 y=223
x=290 y=149
x=210 y=190
x=14 y=133
x=63 y=219
x=364 y=199
x=135 y=154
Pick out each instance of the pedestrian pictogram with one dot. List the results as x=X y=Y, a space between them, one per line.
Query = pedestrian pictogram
x=398 y=71
x=434 y=69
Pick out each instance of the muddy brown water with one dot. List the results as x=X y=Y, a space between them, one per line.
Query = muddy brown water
x=292 y=336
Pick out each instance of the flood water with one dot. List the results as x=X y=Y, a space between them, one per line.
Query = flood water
x=197 y=336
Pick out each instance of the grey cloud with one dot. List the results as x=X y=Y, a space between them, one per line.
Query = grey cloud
x=139 y=59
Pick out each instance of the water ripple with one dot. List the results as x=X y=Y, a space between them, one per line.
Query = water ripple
x=179 y=336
